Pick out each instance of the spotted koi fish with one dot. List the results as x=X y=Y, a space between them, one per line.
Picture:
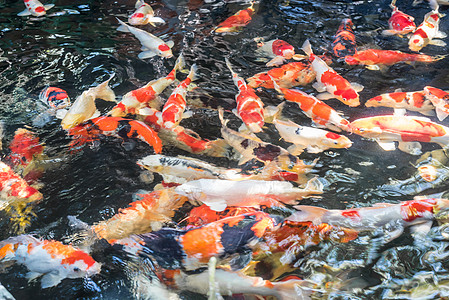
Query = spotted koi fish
x=278 y=50
x=34 y=8
x=249 y=106
x=407 y=130
x=176 y=104
x=24 y=147
x=414 y=101
x=145 y=96
x=287 y=76
x=427 y=32
x=115 y=126
x=344 y=41
x=236 y=21
x=56 y=99
x=400 y=23
x=50 y=259
x=143 y=15
x=373 y=59
x=330 y=81
x=440 y=99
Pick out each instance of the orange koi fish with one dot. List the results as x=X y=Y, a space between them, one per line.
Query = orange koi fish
x=330 y=81
x=115 y=126
x=143 y=15
x=407 y=130
x=278 y=50
x=344 y=41
x=236 y=21
x=176 y=103
x=414 y=101
x=399 y=22
x=321 y=113
x=50 y=259
x=203 y=214
x=373 y=59
x=440 y=99
x=135 y=100
x=288 y=76
x=35 y=8
x=24 y=148
x=249 y=106
x=427 y=32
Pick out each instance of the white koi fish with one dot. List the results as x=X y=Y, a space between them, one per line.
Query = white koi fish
x=427 y=32
x=151 y=45
x=34 y=8
x=143 y=15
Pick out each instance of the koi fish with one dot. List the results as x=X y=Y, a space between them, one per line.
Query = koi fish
x=407 y=130
x=288 y=76
x=373 y=59
x=330 y=81
x=414 y=101
x=151 y=44
x=219 y=193
x=440 y=99
x=400 y=23
x=138 y=99
x=344 y=41
x=115 y=126
x=427 y=32
x=143 y=15
x=84 y=107
x=278 y=50
x=249 y=106
x=320 y=113
x=34 y=8
x=176 y=104
x=203 y=214
x=24 y=147
x=236 y=21
x=57 y=99
x=50 y=259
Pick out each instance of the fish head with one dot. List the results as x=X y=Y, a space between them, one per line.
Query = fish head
x=55 y=97
x=350 y=97
x=346 y=25
x=334 y=140
x=137 y=18
x=164 y=51
x=80 y=264
x=416 y=42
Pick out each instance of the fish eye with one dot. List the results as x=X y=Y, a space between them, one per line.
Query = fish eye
x=76 y=269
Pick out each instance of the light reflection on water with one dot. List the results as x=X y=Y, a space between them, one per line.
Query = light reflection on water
x=82 y=48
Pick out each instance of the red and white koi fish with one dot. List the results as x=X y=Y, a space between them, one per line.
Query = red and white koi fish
x=115 y=126
x=84 y=107
x=143 y=15
x=35 y=8
x=400 y=23
x=418 y=213
x=151 y=44
x=373 y=59
x=321 y=113
x=145 y=96
x=278 y=50
x=218 y=193
x=407 y=130
x=330 y=81
x=24 y=148
x=236 y=21
x=176 y=104
x=249 y=106
x=287 y=76
x=344 y=41
x=50 y=259
x=414 y=101
x=427 y=32
x=440 y=99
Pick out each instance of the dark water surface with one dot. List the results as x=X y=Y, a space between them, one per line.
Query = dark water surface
x=82 y=48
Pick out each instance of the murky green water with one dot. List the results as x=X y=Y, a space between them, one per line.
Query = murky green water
x=81 y=48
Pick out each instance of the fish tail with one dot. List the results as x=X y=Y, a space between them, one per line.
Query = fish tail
x=293 y=289
x=147 y=134
x=393 y=4
x=139 y=3
x=228 y=64
x=307 y=213
x=307 y=48
x=314 y=186
x=123 y=26
x=275 y=85
x=218 y=148
x=221 y=116
x=439 y=57
x=2 y=133
x=104 y=91
x=193 y=74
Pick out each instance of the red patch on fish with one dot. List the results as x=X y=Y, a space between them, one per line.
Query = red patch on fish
x=163 y=47
x=352 y=214
x=413 y=209
x=138 y=15
x=39 y=9
x=333 y=136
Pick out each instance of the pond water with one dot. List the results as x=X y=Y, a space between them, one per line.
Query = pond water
x=81 y=48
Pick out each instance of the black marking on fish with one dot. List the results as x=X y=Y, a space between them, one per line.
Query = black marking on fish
x=244 y=143
x=235 y=239
x=173 y=161
x=267 y=153
x=124 y=128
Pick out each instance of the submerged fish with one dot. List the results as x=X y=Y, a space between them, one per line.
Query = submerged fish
x=143 y=15
x=344 y=41
x=236 y=21
x=35 y=8
x=278 y=50
x=399 y=22
x=414 y=101
x=427 y=32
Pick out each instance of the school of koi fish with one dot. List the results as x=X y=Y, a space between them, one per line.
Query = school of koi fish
x=235 y=213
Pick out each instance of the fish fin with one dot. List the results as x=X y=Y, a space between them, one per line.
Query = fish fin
x=429 y=113
x=357 y=86
x=193 y=74
x=180 y=63
x=187 y=114
x=319 y=86
x=438 y=43
x=49 y=280
x=156 y=20
x=387 y=146
x=294 y=289
x=441 y=114
x=60 y=113
x=440 y=35
x=389 y=32
x=325 y=96
x=413 y=148
x=218 y=148
x=299 y=57
x=244 y=129
x=416 y=2
x=146 y=54
x=314 y=149
x=296 y=149
x=314 y=185
x=139 y=3
x=307 y=48
x=215 y=204
x=272 y=112
x=243 y=159
x=307 y=213
x=170 y=44
x=24 y=13
x=96 y=114
x=275 y=62
x=421 y=229
x=30 y=276
x=123 y=26
x=103 y=91
x=372 y=68
x=48 y=6
x=400 y=112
